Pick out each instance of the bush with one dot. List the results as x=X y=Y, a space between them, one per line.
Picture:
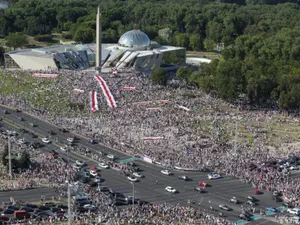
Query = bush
x=158 y=76
x=43 y=38
x=67 y=35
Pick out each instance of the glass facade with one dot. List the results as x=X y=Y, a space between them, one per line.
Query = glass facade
x=174 y=57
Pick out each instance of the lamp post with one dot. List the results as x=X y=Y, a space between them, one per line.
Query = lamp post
x=133 y=197
x=9 y=158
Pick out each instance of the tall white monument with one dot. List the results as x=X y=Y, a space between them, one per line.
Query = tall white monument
x=98 y=41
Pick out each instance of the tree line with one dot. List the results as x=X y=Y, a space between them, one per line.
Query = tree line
x=259 y=64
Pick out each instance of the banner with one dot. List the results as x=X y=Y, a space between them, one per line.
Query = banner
x=143 y=103
x=47 y=75
x=93 y=101
x=162 y=101
x=128 y=88
x=147 y=159
x=187 y=169
x=114 y=71
x=182 y=107
x=152 y=138
x=105 y=89
x=153 y=109
x=78 y=90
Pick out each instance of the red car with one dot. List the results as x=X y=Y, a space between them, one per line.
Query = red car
x=203 y=184
x=94 y=169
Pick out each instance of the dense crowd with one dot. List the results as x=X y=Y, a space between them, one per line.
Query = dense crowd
x=194 y=139
x=52 y=172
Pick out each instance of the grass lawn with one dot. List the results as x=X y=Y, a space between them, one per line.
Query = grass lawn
x=209 y=55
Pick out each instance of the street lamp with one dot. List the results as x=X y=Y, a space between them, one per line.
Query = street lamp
x=133 y=197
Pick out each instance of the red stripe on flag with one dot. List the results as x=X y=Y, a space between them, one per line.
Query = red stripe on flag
x=93 y=101
x=106 y=91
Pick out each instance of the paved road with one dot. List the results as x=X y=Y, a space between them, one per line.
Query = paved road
x=219 y=193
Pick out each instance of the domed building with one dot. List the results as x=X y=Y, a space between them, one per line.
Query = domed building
x=134 y=40
x=133 y=50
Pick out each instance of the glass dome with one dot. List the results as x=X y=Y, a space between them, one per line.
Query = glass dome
x=134 y=39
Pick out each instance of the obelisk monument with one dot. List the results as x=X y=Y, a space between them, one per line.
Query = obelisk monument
x=98 y=41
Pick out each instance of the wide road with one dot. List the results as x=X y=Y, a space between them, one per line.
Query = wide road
x=219 y=192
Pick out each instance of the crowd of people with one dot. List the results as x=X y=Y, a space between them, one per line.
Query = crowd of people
x=194 y=136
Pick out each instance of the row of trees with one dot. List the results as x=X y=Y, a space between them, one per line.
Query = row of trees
x=261 y=38
x=17 y=163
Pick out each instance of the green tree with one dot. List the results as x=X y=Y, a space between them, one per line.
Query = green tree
x=158 y=76
x=209 y=45
x=16 y=40
x=182 y=40
x=4 y=155
x=184 y=74
x=84 y=35
x=24 y=161
x=195 y=42
x=2 y=51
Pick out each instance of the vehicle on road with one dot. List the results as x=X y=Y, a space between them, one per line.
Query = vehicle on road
x=93 y=173
x=234 y=200
x=166 y=172
x=244 y=217
x=203 y=184
x=18 y=110
x=76 y=166
x=251 y=199
x=198 y=189
x=214 y=176
x=71 y=139
x=64 y=148
x=20 y=118
x=93 y=141
x=36 y=144
x=138 y=175
x=132 y=179
x=111 y=156
x=22 y=141
x=63 y=130
x=97 y=179
x=5 y=112
x=46 y=140
x=185 y=178
x=294 y=211
x=249 y=202
x=33 y=135
x=224 y=207
x=80 y=163
x=51 y=132
x=103 y=165
x=32 y=124
x=170 y=189
x=271 y=209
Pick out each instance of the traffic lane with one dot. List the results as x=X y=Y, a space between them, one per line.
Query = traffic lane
x=27 y=195
x=43 y=128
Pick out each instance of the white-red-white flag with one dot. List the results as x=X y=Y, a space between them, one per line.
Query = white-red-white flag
x=183 y=107
x=129 y=88
x=105 y=89
x=93 y=101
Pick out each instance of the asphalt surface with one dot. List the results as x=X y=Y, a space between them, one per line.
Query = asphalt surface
x=219 y=192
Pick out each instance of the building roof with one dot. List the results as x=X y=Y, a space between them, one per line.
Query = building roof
x=135 y=39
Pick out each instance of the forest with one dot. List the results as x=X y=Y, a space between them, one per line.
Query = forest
x=258 y=66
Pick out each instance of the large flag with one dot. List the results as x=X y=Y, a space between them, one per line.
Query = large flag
x=47 y=75
x=93 y=101
x=129 y=89
x=105 y=89
x=183 y=107
x=153 y=109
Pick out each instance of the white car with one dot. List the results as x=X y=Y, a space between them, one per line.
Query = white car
x=79 y=163
x=111 y=156
x=213 y=176
x=46 y=140
x=294 y=211
x=166 y=172
x=89 y=206
x=170 y=189
x=93 y=173
x=75 y=166
x=138 y=175
x=71 y=139
x=22 y=141
x=63 y=148
x=132 y=179
x=97 y=179
x=103 y=165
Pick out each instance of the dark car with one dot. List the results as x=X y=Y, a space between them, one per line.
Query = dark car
x=62 y=207
x=93 y=141
x=27 y=209
x=12 y=207
x=44 y=208
x=36 y=144
x=51 y=132
x=18 y=110
x=23 y=130
x=4 y=218
x=244 y=217
x=20 y=118
x=63 y=130
x=33 y=135
x=8 y=211
x=103 y=188
x=131 y=164
x=5 y=111
x=32 y=124
x=33 y=206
